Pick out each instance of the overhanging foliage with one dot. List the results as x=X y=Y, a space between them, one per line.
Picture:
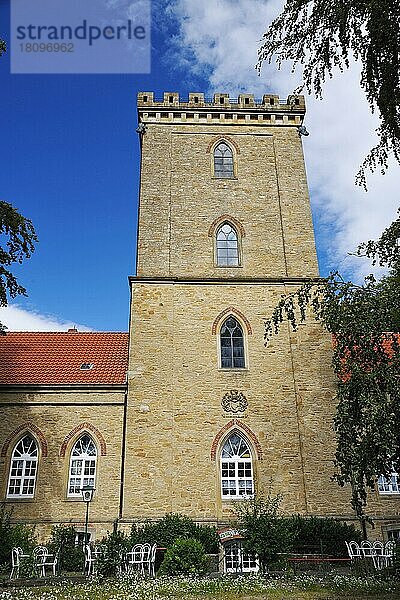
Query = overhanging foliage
x=322 y=35
x=365 y=323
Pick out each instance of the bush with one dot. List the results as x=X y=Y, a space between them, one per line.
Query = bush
x=71 y=557
x=184 y=557
x=18 y=535
x=320 y=535
x=115 y=545
x=266 y=533
x=173 y=527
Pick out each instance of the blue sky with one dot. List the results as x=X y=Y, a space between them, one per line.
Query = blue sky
x=69 y=159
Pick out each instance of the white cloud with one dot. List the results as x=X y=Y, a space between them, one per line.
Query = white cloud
x=19 y=319
x=221 y=39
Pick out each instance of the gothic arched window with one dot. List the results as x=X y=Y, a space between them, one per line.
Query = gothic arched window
x=236 y=468
x=23 y=468
x=223 y=161
x=232 y=344
x=227 y=246
x=82 y=469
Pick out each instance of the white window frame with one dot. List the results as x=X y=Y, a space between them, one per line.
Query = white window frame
x=83 y=474
x=235 y=469
x=389 y=486
x=23 y=469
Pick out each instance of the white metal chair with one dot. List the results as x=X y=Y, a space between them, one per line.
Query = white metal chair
x=354 y=550
x=90 y=560
x=39 y=558
x=146 y=558
x=152 y=570
x=16 y=554
x=388 y=553
x=135 y=559
x=368 y=550
x=378 y=557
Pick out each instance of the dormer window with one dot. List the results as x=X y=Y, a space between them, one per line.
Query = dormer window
x=86 y=366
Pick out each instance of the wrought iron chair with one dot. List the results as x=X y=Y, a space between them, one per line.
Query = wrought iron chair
x=134 y=559
x=152 y=569
x=16 y=554
x=146 y=558
x=388 y=553
x=90 y=560
x=39 y=558
x=354 y=550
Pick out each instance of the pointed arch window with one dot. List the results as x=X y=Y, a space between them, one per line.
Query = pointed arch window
x=82 y=469
x=23 y=468
x=223 y=161
x=236 y=468
x=227 y=246
x=232 y=344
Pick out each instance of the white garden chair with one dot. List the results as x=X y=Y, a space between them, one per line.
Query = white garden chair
x=39 y=557
x=146 y=558
x=16 y=554
x=152 y=569
x=90 y=560
x=134 y=559
x=388 y=553
x=354 y=550
x=378 y=557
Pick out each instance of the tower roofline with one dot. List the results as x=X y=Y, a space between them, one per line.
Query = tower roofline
x=221 y=109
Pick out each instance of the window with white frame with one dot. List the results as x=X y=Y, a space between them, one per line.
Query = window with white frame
x=227 y=246
x=223 y=161
x=389 y=485
x=82 y=470
x=23 y=468
x=236 y=468
x=232 y=344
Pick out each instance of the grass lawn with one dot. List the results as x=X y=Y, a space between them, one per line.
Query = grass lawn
x=301 y=587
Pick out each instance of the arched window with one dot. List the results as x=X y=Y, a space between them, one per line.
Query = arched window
x=23 y=469
x=223 y=160
x=236 y=468
x=82 y=470
x=227 y=246
x=232 y=345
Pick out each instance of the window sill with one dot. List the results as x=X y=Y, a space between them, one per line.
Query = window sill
x=223 y=178
x=236 y=498
x=233 y=369
x=395 y=495
x=74 y=499
x=20 y=499
x=228 y=266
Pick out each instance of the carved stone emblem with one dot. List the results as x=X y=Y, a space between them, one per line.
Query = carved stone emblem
x=234 y=401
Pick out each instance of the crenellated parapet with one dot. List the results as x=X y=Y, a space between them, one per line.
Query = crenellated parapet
x=221 y=108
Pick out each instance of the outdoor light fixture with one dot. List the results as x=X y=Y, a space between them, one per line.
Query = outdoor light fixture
x=87 y=496
x=302 y=130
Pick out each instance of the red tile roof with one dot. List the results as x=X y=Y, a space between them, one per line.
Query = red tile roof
x=55 y=358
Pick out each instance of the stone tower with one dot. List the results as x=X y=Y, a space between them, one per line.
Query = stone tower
x=224 y=229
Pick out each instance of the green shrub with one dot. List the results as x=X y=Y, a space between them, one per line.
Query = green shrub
x=115 y=545
x=320 y=535
x=71 y=557
x=266 y=533
x=184 y=557
x=11 y=536
x=173 y=527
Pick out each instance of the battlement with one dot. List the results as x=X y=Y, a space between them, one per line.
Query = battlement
x=195 y=107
